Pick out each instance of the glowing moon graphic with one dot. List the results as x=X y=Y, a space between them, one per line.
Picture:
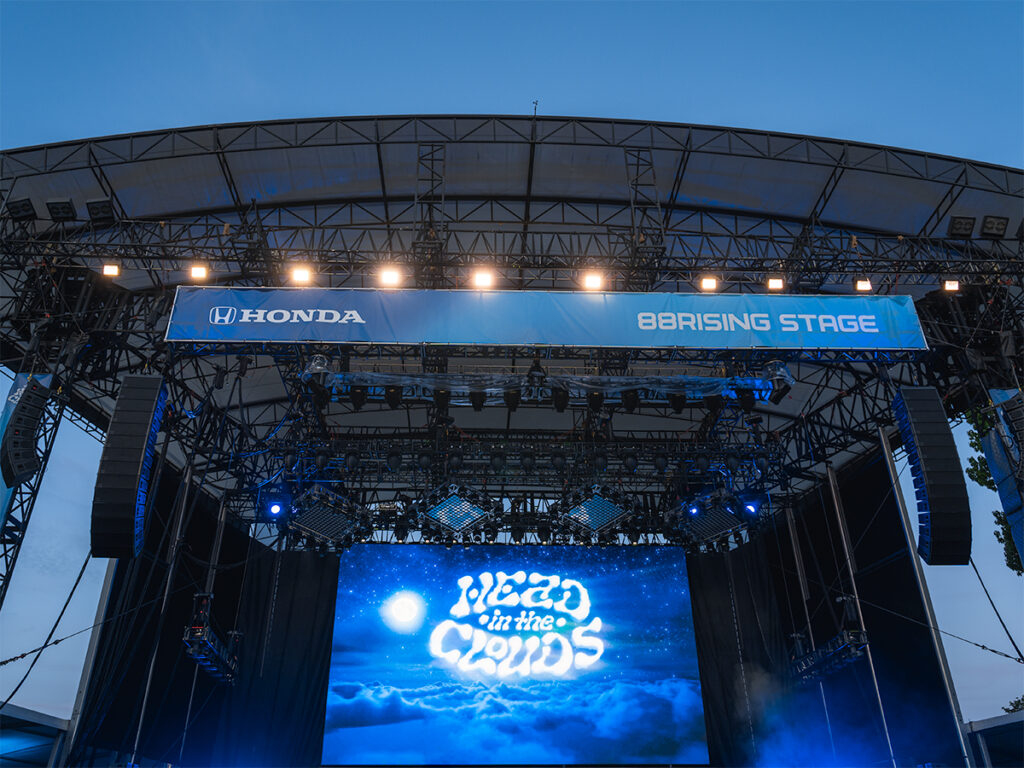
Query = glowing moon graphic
x=404 y=612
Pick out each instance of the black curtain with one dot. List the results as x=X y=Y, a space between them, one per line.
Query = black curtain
x=748 y=605
x=274 y=714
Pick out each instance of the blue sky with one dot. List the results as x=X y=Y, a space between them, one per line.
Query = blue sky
x=940 y=77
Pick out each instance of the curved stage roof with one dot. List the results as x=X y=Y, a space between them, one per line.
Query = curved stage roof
x=568 y=188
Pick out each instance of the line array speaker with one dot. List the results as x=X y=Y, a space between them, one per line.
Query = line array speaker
x=123 y=480
x=943 y=509
x=18 y=459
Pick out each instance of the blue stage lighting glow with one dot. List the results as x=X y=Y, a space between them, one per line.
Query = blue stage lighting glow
x=750 y=508
x=694 y=510
x=275 y=509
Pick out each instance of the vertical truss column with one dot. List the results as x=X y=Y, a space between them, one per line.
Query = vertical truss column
x=429 y=241
x=23 y=500
x=646 y=242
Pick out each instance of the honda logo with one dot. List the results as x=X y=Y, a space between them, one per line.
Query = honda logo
x=223 y=315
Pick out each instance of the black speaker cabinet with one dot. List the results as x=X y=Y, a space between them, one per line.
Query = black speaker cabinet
x=123 y=480
x=943 y=509
x=18 y=459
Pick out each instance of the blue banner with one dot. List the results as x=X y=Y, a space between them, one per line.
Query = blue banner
x=528 y=318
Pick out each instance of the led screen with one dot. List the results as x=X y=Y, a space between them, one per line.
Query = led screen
x=511 y=655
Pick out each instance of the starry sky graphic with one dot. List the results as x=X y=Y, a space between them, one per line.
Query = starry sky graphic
x=391 y=702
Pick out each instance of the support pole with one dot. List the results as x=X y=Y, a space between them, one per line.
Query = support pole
x=798 y=557
x=851 y=568
x=926 y=600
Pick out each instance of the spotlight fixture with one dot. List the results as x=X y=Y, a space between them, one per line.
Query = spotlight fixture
x=454 y=460
x=775 y=284
x=393 y=396
x=394 y=460
x=61 y=210
x=198 y=272
x=351 y=461
x=100 y=209
x=630 y=461
x=483 y=279
x=21 y=210
x=677 y=401
x=560 y=399
x=994 y=227
x=111 y=270
x=527 y=461
x=592 y=281
x=713 y=403
x=512 y=396
x=630 y=400
x=302 y=275
x=595 y=399
x=709 y=284
x=322 y=458
x=441 y=398
x=477 y=398
x=746 y=398
x=960 y=226
x=390 y=277
x=497 y=461
x=702 y=463
x=600 y=461
x=862 y=284
x=661 y=462
x=558 y=460
x=357 y=395
x=425 y=459
x=952 y=286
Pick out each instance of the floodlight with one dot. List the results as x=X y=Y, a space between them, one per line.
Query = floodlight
x=21 y=210
x=951 y=285
x=592 y=281
x=389 y=276
x=64 y=210
x=477 y=398
x=301 y=275
x=994 y=227
x=111 y=270
x=483 y=278
x=775 y=284
x=709 y=283
x=198 y=272
x=862 y=284
x=100 y=209
x=960 y=226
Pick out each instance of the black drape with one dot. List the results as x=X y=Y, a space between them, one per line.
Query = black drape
x=275 y=712
x=747 y=605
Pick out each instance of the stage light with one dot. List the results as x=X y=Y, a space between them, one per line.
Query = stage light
x=111 y=270
x=322 y=458
x=21 y=210
x=454 y=460
x=527 y=461
x=661 y=462
x=302 y=275
x=497 y=461
x=600 y=461
x=275 y=508
x=393 y=396
x=100 y=209
x=560 y=399
x=357 y=395
x=677 y=401
x=558 y=460
x=198 y=272
x=862 y=284
x=746 y=398
x=951 y=286
x=390 y=277
x=694 y=509
x=709 y=283
x=512 y=397
x=960 y=226
x=425 y=459
x=702 y=463
x=394 y=460
x=441 y=398
x=592 y=281
x=595 y=399
x=630 y=462
x=477 y=398
x=351 y=461
x=630 y=400
x=994 y=227
x=61 y=210
x=750 y=508
x=775 y=284
x=483 y=279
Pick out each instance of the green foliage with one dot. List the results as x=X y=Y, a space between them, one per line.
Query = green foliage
x=1002 y=533
x=1017 y=705
x=977 y=467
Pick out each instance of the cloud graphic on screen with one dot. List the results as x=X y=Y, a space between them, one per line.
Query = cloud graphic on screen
x=640 y=721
